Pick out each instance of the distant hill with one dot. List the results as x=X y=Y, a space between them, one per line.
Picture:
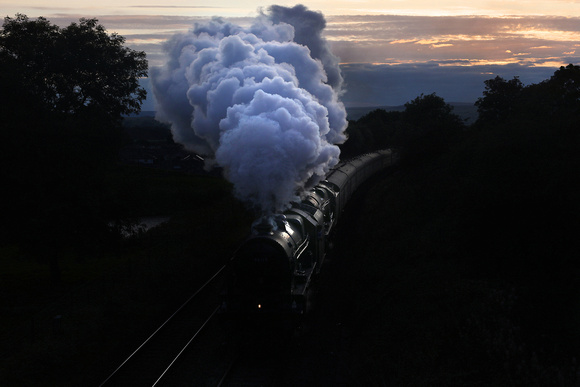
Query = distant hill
x=144 y=113
x=465 y=110
x=144 y=127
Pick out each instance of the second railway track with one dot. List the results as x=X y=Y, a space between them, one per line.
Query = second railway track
x=278 y=263
x=151 y=362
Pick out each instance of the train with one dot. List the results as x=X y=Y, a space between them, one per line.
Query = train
x=272 y=271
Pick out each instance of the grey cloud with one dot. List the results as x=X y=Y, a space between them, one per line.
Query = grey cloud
x=376 y=38
x=381 y=85
x=396 y=27
x=145 y=22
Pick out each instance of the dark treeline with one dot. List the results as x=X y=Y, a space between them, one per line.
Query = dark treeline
x=471 y=246
x=63 y=93
x=425 y=128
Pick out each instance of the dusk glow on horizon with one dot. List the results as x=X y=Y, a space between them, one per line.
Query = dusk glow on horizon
x=390 y=51
x=230 y=8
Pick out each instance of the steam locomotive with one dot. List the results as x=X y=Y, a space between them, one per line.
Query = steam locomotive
x=271 y=272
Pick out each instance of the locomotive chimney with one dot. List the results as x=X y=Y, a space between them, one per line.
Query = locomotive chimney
x=264 y=225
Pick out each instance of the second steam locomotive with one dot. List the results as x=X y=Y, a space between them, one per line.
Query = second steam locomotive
x=272 y=270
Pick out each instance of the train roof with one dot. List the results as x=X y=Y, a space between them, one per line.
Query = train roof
x=340 y=174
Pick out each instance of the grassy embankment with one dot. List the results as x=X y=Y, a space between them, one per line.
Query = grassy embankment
x=463 y=270
x=76 y=332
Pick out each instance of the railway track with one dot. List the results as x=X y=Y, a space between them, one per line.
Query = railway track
x=157 y=356
x=177 y=353
x=194 y=347
x=254 y=369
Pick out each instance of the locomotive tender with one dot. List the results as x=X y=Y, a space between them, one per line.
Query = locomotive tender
x=271 y=272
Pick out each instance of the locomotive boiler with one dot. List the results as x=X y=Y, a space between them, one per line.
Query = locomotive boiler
x=272 y=271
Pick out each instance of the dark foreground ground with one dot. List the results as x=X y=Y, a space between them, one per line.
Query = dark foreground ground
x=459 y=271
x=78 y=331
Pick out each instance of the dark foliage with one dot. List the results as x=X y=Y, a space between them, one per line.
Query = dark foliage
x=429 y=128
x=499 y=100
x=371 y=132
x=108 y=303
x=63 y=92
x=463 y=268
x=73 y=71
x=553 y=102
x=425 y=128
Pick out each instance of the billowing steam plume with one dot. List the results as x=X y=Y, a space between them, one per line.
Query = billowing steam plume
x=263 y=101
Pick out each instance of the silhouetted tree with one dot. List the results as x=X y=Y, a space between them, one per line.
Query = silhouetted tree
x=499 y=99
x=566 y=84
x=74 y=70
x=63 y=92
x=429 y=127
x=384 y=125
x=554 y=102
x=373 y=131
x=426 y=127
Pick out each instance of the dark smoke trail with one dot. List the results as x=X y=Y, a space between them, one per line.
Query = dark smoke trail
x=262 y=100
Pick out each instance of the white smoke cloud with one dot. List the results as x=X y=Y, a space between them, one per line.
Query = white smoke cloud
x=262 y=101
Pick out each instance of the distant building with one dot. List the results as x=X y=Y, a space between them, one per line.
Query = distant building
x=162 y=156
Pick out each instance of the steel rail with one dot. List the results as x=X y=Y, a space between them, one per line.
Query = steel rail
x=227 y=374
x=165 y=323
x=186 y=345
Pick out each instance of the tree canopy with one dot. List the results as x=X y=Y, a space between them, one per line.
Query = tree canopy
x=552 y=102
x=498 y=99
x=76 y=70
x=63 y=94
x=426 y=126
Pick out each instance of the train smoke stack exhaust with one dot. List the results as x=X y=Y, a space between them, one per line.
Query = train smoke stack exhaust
x=264 y=225
x=260 y=101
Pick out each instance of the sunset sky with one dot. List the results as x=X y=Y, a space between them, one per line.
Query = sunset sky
x=390 y=51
